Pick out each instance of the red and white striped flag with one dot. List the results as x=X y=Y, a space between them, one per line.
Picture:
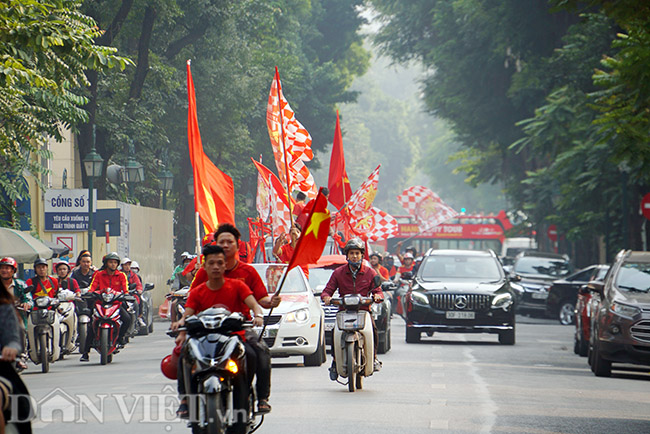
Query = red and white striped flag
x=375 y=225
x=297 y=141
x=362 y=199
x=426 y=206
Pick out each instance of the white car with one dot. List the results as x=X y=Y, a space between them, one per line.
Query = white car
x=295 y=327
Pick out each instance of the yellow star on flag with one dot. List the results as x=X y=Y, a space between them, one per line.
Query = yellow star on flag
x=314 y=224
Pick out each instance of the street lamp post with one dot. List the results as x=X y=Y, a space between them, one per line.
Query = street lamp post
x=93 y=163
x=166 y=183
x=132 y=172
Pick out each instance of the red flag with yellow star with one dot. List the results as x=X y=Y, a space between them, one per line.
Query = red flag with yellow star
x=314 y=234
x=338 y=182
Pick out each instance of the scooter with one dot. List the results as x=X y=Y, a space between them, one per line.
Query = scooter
x=213 y=367
x=83 y=307
x=66 y=309
x=147 y=315
x=44 y=332
x=353 y=340
x=177 y=303
x=106 y=322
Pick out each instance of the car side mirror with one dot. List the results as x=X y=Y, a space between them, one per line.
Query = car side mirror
x=584 y=290
x=596 y=286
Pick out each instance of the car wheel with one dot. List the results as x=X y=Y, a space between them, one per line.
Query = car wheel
x=567 y=314
x=576 y=345
x=600 y=366
x=507 y=337
x=583 y=345
x=412 y=335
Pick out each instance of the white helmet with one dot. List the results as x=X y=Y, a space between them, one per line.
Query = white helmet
x=126 y=261
x=135 y=265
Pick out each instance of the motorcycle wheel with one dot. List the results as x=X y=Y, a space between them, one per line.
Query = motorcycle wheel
x=81 y=337
x=214 y=409
x=144 y=330
x=360 y=374
x=352 y=377
x=42 y=347
x=103 y=346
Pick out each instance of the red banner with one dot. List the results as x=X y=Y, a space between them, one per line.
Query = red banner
x=453 y=231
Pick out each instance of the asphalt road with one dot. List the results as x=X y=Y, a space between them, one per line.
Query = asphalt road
x=449 y=383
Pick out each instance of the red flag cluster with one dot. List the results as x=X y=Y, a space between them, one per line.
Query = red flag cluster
x=338 y=182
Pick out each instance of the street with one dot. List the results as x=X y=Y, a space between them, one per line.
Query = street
x=448 y=383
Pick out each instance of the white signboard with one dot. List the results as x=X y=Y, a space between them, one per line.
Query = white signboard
x=67 y=209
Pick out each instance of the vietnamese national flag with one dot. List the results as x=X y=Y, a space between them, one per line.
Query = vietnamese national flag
x=314 y=235
x=338 y=182
x=214 y=192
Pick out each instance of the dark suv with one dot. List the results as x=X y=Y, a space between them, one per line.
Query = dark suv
x=460 y=291
x=620 y=323
x=538 y=270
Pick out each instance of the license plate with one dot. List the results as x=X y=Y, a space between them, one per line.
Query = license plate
x=270 y=333
x=460 y=315
x=539 y=295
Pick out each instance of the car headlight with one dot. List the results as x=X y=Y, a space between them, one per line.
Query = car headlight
x=299 y=316
x=502 y=301
x=624 y=309
x=419 y=298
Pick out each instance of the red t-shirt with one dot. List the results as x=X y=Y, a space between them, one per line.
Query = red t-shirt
x=47 y=287
x=383 y=272
x=404 y=269
x=243 y=272
x=231 y=294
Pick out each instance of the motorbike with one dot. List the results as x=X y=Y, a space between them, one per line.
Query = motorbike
x=213 y=369
x=106 y=321
x=83 y=307
x=147 y=314
x=66 y=309
x=44 y=332
x=353 y=340
x=177 y=301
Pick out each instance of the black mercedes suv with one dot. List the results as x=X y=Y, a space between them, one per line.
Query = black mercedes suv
x=460 y=291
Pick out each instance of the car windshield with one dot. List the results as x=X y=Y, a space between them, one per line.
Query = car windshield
x=271 y=275
x=634 y=277
x=551 y=267
x=459 y=267
x=318 y=278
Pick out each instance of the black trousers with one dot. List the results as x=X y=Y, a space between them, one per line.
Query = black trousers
x=263 y=368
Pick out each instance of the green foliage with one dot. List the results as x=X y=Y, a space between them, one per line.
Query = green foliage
x=45 y=49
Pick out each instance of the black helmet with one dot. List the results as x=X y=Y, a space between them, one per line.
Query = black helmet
x=354 y=244
x=112 y=255
x=40 y=261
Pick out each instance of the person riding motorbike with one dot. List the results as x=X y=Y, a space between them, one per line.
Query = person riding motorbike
x=227 y=236
x=21 y=296
x=42 y=285
x=134 y=279
x=83 y=272
x=354 y=278
x=179 y=280
x=109 y=277
x=64 y=279
x=234 y=294
x=10 y=347
x=375 y=263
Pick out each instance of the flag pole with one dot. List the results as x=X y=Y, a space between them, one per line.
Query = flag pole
x=198 y=233
x=284 y=147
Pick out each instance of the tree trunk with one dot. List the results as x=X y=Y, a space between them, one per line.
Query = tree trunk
x=143 y=53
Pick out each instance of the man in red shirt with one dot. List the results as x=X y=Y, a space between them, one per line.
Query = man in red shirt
x=375 y=263
x=407 y=264
x=109 y=277
x=283 y=249
x=41 y=285
x=227 y=237
x=218 y=289
x=354 y=278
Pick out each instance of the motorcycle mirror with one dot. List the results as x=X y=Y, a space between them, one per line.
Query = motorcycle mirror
x=149 y=286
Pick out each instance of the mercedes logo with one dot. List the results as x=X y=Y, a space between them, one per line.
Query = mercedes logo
x=461 y=302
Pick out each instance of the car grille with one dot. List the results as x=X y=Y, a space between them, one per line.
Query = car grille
x=273 y=319
x=641 y=331
x=475 y=302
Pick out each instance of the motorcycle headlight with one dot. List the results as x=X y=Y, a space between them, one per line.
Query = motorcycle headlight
x=624 y=309
x=108 y=297
x=502 y=301
x=299 y=316
x=42 y=301
x=419 y=298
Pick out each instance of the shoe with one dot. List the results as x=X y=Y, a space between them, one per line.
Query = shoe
x=84 y=358
x=141 y=322
x=333 y=374
x=263 y=406
x=183 y=411
x=377 y=365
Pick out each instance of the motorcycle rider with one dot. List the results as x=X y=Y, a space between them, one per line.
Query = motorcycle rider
x=218 y=289
x=64 y=279
x=21 y=296
x=83 y=272
x=10 y=347
x=227 y=236
x=109 y=277
x=354 y=278
x=178 y=279
x=134 y=279
x=42 y=285
x=375 y=263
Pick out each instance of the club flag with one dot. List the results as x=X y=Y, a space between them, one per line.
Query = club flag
x=314 y=234
x=279 y=203
x=364 y=196
x=338 y=182
x=375 y=225
x=426 y=206
x=263 y=200
x=214 y=193
x=296 y=143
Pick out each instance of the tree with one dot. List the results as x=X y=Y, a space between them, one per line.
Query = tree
x=45 y=50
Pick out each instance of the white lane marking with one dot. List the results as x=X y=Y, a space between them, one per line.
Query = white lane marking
x=439 y=424
x=487 y=406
